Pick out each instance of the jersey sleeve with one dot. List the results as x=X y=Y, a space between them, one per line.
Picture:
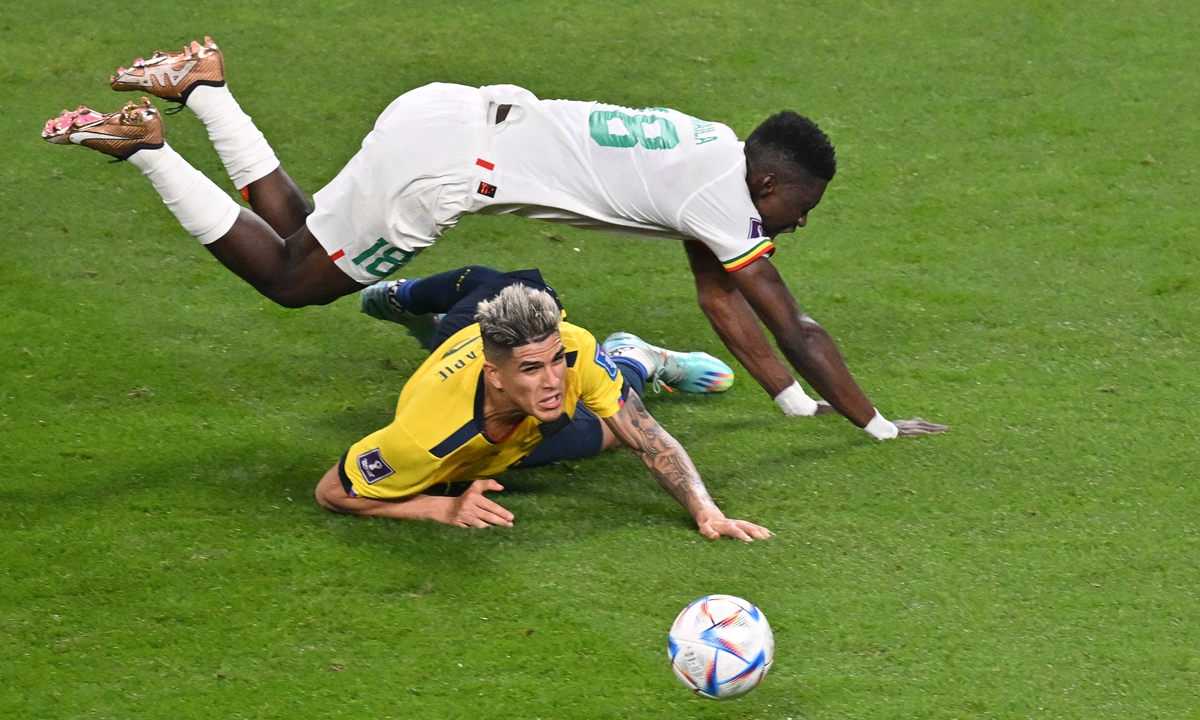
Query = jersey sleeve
x=600 y=381
x=722 y=216
x=387 y=465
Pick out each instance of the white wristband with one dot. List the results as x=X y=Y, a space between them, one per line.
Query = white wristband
x=795 y=402
x=881 y=428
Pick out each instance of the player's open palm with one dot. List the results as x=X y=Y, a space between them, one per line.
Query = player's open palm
x=919 y=426
x=728 y=527
x=472 y=509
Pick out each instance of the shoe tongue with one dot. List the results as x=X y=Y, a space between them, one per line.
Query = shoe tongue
x=673 y=372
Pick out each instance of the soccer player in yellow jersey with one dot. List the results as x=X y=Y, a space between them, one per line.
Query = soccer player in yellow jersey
x=485 y=400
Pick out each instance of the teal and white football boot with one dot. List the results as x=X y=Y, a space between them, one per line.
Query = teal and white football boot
x=380 y=302
x=694 y=372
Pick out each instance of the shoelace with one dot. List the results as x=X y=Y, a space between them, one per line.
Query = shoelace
x=657 y=383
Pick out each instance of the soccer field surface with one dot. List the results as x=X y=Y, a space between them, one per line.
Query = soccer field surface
x=1009 y=247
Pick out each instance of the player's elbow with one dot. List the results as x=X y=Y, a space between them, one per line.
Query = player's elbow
x=803 y=336
x=713 y=302
x=710 y=302
x=324 y=499
x=330 y=494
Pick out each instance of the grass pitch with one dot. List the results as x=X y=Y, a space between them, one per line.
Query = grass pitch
x=1009 y=247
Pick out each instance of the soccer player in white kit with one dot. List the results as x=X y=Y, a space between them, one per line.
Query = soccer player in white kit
x=443 y=151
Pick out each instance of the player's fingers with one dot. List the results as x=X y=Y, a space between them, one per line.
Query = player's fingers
x=733 y=529
x=736 y=532
x=757 y=531
x=753 y=529
x=492 y=518
x=486 y=485
x=486 y=505
x=707 y=531
x=475 y=521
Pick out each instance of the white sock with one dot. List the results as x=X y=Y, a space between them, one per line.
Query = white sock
x=642 y=355
x=795 y=402
x=241 y=145
x=203 y=209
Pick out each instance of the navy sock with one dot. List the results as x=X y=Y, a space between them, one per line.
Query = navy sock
x=633 y=372
x=438 y=293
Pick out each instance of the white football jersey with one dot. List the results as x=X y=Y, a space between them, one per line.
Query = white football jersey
x=651 y=172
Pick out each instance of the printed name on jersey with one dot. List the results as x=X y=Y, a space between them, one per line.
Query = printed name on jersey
x=703 y=131
x=459 y=364
x=373 y=466
x=756 y=230
x=604 y=363
x=459 y=346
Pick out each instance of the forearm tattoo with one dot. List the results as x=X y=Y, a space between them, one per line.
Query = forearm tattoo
x=662 y=454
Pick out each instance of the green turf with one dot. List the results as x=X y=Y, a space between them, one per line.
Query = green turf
x=1009 y=247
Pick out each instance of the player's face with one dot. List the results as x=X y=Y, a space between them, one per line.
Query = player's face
x=785 y=207
x=534 y=378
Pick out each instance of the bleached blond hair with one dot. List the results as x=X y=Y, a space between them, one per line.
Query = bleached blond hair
x=518 y=316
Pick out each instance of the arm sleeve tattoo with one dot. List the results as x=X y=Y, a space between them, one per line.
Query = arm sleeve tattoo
x=661 y=453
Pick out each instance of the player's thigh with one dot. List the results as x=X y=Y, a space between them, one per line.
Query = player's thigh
x=316 y=279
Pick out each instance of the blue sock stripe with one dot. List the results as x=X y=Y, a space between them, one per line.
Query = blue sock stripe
x=403 y=292
x=633 y=371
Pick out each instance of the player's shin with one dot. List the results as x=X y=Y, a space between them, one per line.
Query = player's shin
x=203 y=209
x=239 y=143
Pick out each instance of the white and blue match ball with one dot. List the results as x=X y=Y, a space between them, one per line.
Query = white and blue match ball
x=721 y=647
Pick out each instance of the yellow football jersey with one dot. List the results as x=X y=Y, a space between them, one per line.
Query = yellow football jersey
x=438 y=434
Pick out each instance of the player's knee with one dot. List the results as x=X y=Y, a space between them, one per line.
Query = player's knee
x=293 y=297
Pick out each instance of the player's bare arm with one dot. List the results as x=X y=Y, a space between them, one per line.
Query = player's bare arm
x=736 y=324
x=674 y=471
x=789 y=163
x=734 y=321
x=471 y=509
x=810 y=349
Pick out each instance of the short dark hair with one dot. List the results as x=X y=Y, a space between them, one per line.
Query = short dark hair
x=792 y=138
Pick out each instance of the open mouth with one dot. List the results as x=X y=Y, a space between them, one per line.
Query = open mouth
x=551 y=403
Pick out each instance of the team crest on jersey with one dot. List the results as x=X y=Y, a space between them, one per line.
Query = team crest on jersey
x=373 y=466
x=604 y=363
x=487 y=189
x=755 y=228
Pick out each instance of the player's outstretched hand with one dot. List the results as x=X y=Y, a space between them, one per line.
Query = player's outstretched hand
x=919 y=426
x=727 y=527
x=472 y=509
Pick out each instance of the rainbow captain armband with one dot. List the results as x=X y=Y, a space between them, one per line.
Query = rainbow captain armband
x=764 y=249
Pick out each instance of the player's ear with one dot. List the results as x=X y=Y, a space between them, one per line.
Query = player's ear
x=763 y=184
x=769 y=184
x=491 y=374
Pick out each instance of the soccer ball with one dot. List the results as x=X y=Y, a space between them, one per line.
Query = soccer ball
x=721 y=647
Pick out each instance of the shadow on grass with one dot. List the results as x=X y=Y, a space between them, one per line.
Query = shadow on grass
x=265 y=490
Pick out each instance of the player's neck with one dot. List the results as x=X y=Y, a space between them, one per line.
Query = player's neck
x=500 y=414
